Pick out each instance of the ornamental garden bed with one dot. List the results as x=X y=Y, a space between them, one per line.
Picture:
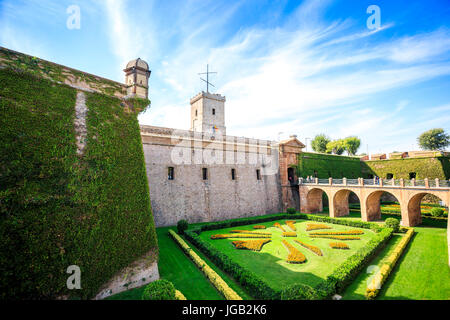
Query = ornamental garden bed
x=265 y=273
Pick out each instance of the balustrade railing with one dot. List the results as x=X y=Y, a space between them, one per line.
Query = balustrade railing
x=436 y=183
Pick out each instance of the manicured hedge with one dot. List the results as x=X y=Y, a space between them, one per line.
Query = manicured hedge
x=58 y=209
x=257 y=286
x=159 y=290
x=212 y=276
x=378 y=279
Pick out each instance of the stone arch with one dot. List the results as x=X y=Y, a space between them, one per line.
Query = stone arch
x=340 y=202
x=414 y=210
x=314 y=200
x=373 y=209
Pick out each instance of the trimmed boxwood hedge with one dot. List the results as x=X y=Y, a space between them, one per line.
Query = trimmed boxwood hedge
x=259 y=288
x=58 y=209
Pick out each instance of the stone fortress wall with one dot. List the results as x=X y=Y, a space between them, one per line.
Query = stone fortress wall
x=219 y=197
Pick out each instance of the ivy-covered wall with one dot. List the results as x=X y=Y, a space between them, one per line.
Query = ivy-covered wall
x=435 y=167
x=326 y=165
x=59 y=209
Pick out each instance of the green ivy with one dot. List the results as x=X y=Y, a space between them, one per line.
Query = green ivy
x=326 y=165
x=436 y=167
x=58 y=209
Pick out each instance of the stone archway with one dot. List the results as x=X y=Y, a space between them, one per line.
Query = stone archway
x=414 y=209
x=373 y=208
x=341 y=202
x=314 y=200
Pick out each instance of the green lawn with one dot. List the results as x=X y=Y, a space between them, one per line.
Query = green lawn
x=270 y=263
x=423 y=272
x=176 y=267
x=357 y=289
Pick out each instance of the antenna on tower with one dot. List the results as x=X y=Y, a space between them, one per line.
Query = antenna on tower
x=207 y=78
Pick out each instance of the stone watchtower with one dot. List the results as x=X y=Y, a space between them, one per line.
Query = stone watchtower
x=208 y=113
x=136 y=78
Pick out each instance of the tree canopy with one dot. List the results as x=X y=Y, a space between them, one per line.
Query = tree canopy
x=336 y=147
x=319 y=143
x=352 y=145
x=434 y=139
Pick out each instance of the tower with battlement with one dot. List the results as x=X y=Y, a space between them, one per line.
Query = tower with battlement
x=137 y=74
x=208 y=114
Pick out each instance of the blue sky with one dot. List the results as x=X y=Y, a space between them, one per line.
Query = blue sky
x=285 y=67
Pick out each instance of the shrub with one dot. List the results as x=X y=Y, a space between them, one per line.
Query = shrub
x=392 y=223
x=289 y=234
x=337 y=233
x=377 y=281
x=339 y=245
x=316 y=226
x=335 y=237
x=294 y=256
x=314 y=249
x=291 y=210
x=249 y=232
x=276 y=224
x=437 y=212
x=159 y=290
x=259 y=227
x=182 y=226
x=291 y=224
x=254 y=245
x=212 y=276
x=298 y=291
x=238 y=235
x=347 y=271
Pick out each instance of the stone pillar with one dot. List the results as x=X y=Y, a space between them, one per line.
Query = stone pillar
x=330 y=181
x=381 y=182
x=427 y=184
x=437 y=182
x=344 y=181
x=402 y=182
x=316 y=180
x=413 y=182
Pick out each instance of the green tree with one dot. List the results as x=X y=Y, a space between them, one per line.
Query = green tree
x=352 y=145
x=336 y=147
x=434 y=139
x=319 y=143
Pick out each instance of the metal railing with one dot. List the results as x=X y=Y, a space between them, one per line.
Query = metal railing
x=426 y=183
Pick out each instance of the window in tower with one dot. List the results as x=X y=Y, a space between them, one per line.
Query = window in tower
x=214 y=111
x=170 y=173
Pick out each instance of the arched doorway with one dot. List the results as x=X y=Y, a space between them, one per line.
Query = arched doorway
x=373 y=200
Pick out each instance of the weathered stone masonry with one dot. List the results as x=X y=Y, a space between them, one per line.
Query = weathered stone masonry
x=218 y=197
